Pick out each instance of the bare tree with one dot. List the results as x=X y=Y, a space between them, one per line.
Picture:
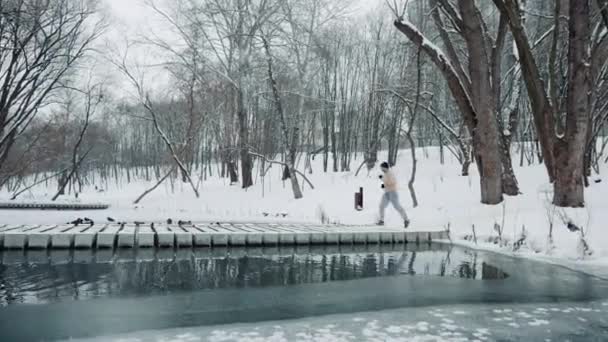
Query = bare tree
x=408 y=132
x=563 y=152
x=290 y=140
x=40 y=42
x=227 y=28
x=144 y=98
x=473 y=92
x=599 y=101
x=93 y=97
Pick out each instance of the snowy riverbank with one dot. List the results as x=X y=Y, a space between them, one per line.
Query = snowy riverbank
x=446 y=200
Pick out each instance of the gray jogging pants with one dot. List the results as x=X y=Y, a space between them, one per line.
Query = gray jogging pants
x=393 y=198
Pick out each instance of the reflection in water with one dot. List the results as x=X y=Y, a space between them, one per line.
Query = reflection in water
x=39 y=277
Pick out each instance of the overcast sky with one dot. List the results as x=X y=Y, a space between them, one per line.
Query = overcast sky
x=134 y=13
x=129 y=19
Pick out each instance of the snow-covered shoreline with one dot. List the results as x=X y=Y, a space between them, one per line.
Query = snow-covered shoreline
x=446 y=198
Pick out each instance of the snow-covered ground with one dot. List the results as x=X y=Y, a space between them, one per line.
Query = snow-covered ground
x=445 y=197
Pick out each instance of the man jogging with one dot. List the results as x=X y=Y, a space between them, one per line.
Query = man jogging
x=390 y=195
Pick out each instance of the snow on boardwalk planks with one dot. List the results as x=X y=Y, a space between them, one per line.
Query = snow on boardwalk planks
x=106 y=238
x=201 y=237
x=165 y=236
x=40 y=238
x=5 y=229
x=187 y=235
x=64 y=236
x=126 y=236
x=87 y=237
x=223 y=235
x=269 y=237
x=17 y=238
x=183 y=236
x=145 y=237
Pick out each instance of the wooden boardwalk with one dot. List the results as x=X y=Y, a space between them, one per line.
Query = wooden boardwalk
x=53 y=206
x=118 y=236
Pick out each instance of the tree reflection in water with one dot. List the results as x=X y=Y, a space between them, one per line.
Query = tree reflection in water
x=147 y=272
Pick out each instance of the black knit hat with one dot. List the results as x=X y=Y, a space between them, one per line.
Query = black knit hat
x=384 y=165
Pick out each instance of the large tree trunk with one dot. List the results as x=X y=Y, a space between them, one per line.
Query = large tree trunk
x=569 y=184
x=564 y=156
x=589 y=151
x=509 y=181
x=568 y=188
x=542 y=109
x=485 y=136
x=481 y=124
x=510 y=186
x=489 y=166
x=246 y=162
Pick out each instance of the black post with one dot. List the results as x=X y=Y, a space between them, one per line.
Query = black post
x=361 y=197
x=359 y=200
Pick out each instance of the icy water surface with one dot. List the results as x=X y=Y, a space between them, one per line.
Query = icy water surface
x=81 y=294
x=455 y=323
x=38 y=277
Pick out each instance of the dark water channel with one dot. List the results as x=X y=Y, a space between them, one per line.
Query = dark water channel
x=84 y=294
